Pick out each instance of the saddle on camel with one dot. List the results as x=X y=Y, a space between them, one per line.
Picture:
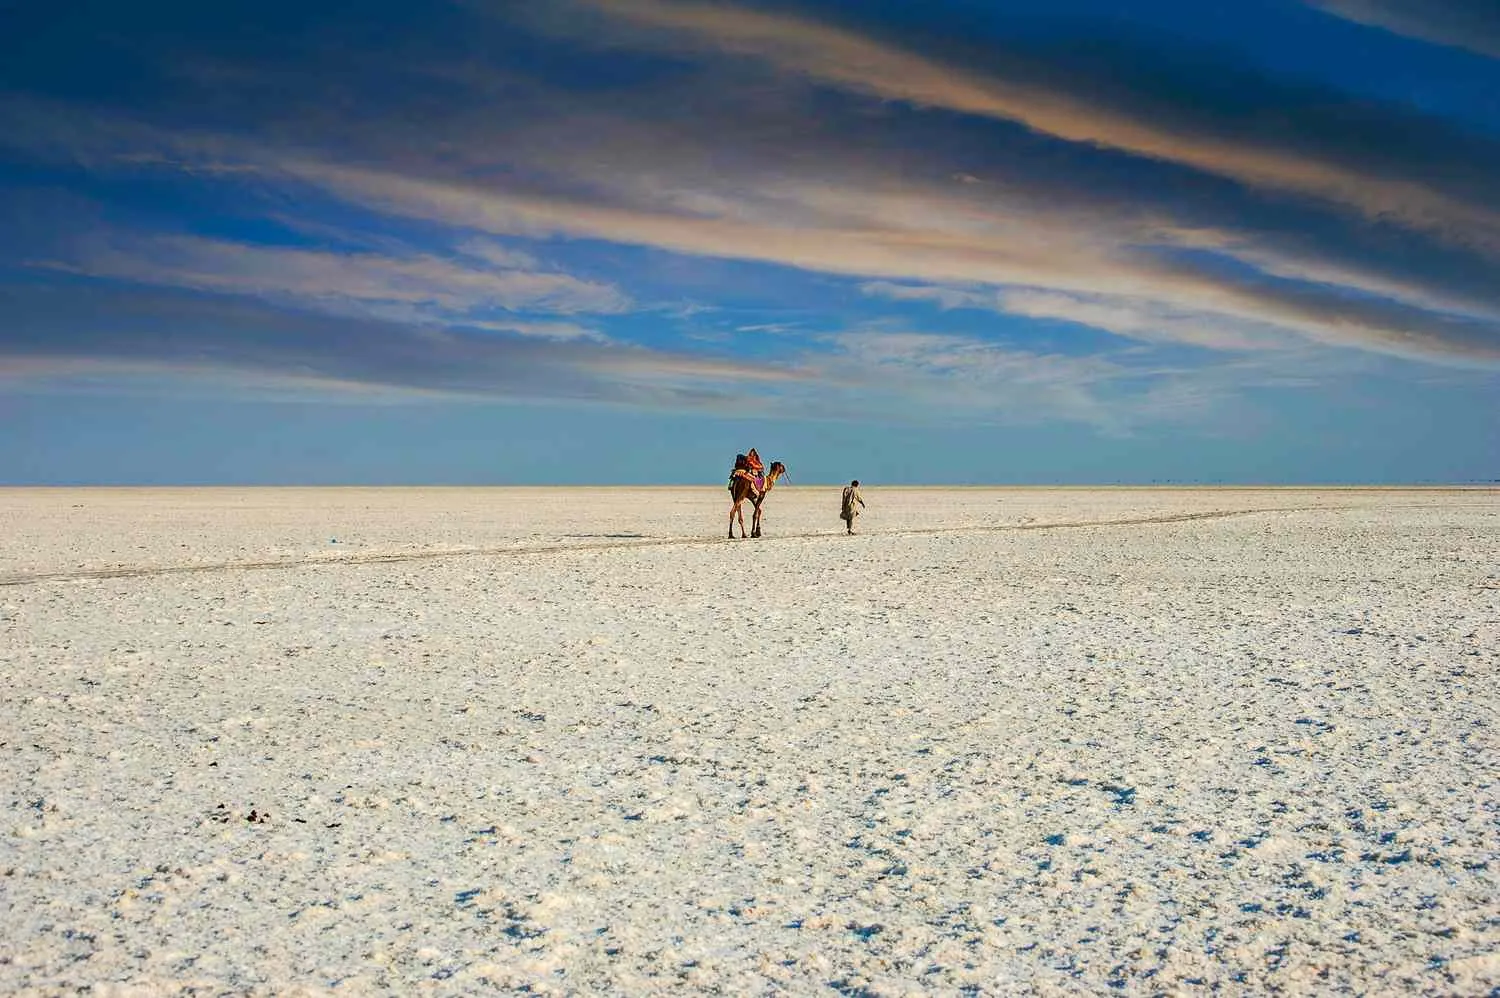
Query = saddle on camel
x=750 y=467
x=750 y=480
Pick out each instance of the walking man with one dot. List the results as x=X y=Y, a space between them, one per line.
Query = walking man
x=847 y=510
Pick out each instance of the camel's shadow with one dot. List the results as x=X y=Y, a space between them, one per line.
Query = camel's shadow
x=613 y=537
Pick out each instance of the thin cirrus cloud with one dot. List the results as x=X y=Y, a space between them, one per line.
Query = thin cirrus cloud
x=1466 y=24
x=831 y=194
x=1136 y=264
x=1035 y=254
x=77 y=337
x=927 y=375
x=71 y=336
x=419 y=287
x=1020 y=188
x=879 y=210
x=1252 y=149
x=59 y=332
x=1134 y=318
x=940 y=373
x=1125 y=255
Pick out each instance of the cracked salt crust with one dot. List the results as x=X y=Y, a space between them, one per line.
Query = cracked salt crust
x=574 y=741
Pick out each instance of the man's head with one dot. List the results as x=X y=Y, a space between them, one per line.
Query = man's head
x=854 y=484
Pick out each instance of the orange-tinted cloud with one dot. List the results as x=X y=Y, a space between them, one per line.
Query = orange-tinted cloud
x=835 y=56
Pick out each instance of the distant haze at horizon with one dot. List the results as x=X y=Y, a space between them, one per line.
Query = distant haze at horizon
x=618 y=241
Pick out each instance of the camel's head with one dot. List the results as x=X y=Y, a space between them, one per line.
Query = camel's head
x=777 y=469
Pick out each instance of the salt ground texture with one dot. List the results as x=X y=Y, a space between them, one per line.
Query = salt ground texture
x=1028 y=741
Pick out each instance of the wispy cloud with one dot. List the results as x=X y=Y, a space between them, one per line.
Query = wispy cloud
x=1137 y=318
x=81 y=336
x=54 y=330
x=926 y=376
x=1248 y=318
x=544 y=330
x=1196 y=278
x=1029 y=252
x=418 y=287
x=1300 y=159
x=1016 y=187
x=1466 y=24
x=974 y=379
x=160 y=343
x=1144 y=319
x=943 y=297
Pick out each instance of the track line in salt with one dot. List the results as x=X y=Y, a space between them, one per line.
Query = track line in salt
x=396 y=557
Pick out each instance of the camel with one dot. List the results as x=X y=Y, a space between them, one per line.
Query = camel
x=742 y=488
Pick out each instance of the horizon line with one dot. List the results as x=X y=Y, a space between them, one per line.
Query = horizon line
x=1159 y=484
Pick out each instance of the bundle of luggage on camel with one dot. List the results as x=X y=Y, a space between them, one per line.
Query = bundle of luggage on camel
x=751 y=467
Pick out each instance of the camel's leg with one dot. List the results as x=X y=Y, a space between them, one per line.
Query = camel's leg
x=755 y=522
x=737 y=510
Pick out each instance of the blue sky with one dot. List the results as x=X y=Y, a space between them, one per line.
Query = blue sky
x=1069 y=241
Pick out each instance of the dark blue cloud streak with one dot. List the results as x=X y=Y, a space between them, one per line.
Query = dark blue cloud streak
x=1466 y=24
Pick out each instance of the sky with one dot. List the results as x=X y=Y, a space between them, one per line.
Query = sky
x=619 y=241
